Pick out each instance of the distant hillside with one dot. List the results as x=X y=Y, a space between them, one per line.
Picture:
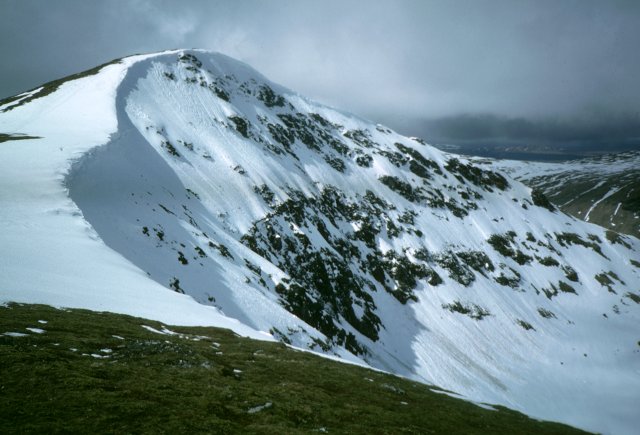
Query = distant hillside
x=604 y=190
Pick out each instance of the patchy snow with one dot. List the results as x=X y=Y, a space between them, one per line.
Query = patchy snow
x=22 y=96
x=595 y=204
x=96 y=355
x=36 y=330
x=164 y=331
x=15 y=334
x=259 y=408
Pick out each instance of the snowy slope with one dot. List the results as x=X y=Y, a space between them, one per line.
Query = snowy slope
x=48 y=252
x=189 y=172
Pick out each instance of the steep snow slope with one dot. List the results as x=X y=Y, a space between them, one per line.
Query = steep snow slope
x=332 y=233
x=48 y=253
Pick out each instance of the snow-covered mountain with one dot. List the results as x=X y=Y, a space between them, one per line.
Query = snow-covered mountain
x=186 y=187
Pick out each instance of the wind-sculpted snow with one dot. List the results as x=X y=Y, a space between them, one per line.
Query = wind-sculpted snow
x=48 y=253
x=344 y=237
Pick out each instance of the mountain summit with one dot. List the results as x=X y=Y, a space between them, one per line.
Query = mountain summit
x=186 y=187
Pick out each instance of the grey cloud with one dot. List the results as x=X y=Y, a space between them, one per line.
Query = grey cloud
x=594 y=133
x=383 y=60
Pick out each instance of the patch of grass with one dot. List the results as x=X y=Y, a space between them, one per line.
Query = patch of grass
x=512 y=279
x=269 y=97
x=51 y=87
x=395 y=158
x=266 y=194
x=546 y=313
x=101 y=372
x=526 y=325
x=159 y=234
x=241 y=124
x=550 y=292
x=508 y=281
x=503 y=244
x=220 y=92
x=605 y=281
x=187 y=145
x=364 y=160
x=541 y=200
x=5 y=137
x=174 y=284
x=190 y=59
x=402 y=188
x=480 y=177
x=405 y=275
x=521 y=258
x=422 y=165
x=222 y=249
x=474 y=311
x=170 y=148
x=566 y=288
x=361 y=137
x=182 y=259
x=633 y=296
x=568 y=239
x=570 y=273
x=306 y=129
x=594 y=238
x=192 y=193
x=477 y=260
x=548 y=261
x=458 y=270
x=335 y=162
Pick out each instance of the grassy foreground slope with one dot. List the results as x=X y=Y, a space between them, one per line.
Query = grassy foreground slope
x=82 y=371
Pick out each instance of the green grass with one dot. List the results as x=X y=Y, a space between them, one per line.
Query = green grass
x=206 y=380
x=578 y=188
x=4 y=137
x=51 y=87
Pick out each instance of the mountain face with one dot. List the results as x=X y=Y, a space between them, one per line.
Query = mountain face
x=186 y=187
x=604 y=190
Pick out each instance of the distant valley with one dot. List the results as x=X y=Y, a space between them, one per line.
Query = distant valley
x=604 y=189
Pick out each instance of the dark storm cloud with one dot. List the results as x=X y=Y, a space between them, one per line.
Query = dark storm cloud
x=535 y=60
x=471 y=131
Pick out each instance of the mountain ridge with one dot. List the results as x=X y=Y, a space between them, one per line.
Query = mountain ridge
x=345 y=237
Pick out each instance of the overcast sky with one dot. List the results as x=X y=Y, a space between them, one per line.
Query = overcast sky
x=562 y=61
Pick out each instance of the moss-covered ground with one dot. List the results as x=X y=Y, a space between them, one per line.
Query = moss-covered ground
x=88 y=372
